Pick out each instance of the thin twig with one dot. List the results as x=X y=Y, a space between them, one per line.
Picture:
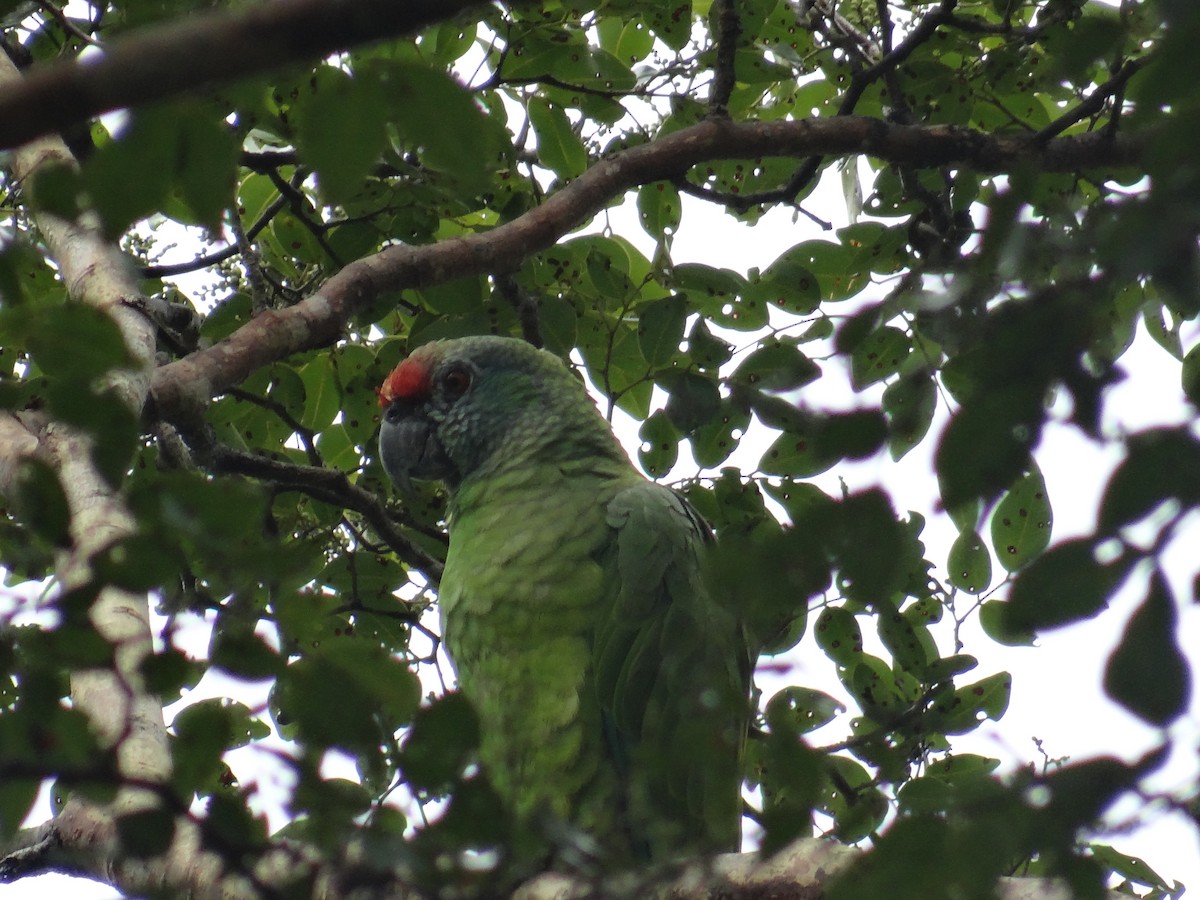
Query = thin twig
x=1093 y=103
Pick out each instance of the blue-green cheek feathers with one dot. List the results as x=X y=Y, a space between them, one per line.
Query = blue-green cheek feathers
x=612 y=690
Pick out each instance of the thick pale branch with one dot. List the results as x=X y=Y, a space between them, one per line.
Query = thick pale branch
x=197 y=51
x=184 y=387
x=122 y=713
x=804 y=869
x=96 y=274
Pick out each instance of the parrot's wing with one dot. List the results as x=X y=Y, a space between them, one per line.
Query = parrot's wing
x=672 y=678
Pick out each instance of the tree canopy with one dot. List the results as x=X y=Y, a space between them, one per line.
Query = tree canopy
x=224 y=223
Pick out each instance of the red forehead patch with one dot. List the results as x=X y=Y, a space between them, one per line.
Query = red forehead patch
x=409 y=379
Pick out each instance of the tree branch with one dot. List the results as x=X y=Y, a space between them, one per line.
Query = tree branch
x=183 y=56
x=333 y=487
x=124 y=715
x=1093 y=104
x=804 y=869
x=185 y=387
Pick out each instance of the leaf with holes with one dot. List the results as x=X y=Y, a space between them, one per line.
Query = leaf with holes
x=965 y=709
x=776 y=366
x=660 y=445
x=969 y=563
x=788 y=284
x=1022 y=522
x=659 y=209
x=838 y=634
x=879 y=356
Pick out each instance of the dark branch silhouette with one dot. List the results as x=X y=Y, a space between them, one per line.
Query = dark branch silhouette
x=184 y=387
x=184 y=56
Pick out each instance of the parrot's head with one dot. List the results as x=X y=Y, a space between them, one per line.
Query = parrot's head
x=459 y=407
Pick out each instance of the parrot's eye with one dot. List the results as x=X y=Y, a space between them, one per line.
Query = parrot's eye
x=456 y=381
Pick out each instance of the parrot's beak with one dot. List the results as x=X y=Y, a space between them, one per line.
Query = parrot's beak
x=409 y=448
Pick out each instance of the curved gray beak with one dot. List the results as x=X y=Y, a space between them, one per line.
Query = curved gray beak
x=409 y=448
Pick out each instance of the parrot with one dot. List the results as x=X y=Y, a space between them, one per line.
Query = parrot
x=613 y=693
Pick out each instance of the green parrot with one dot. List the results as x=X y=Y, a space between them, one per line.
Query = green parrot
x=612 y=691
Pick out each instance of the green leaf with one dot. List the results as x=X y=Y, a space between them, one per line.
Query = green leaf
x=986 y=445
x=659 y=209
x=1161 y=464
x=444 y=735
x=139 y=562
x=909 y=403
x=660 y=330
x=869 y=548
x=337 y=693
x=911 y=646
x=459 y=297
x=1022 y=522
x=659 y=449
x=1165 y=337
x=807 y=709
x=205 y=730
x=692 y=401
x=559 y=325
x=776 y=366
x=994 y=619
x=239 y=652
x=25 y=277
x=857 y=812
x=72 y=342
x=231 y=823
x=559 y=52
x=206 y=167
x=1148 y=673
x=796 y=455
x=838 y=634
x=129 y=178
x=968 y=706
x=832 y=266
x=40 y=503
x=1063 y=585
x=852 y=435
x=431 y=110
x=17 y=796
x=1190 y=375
x=322 y=399
x=769 y=576
x=880 y=356
x=340 y=131
x=788 y=284
x=969 y=564
x=706 y=350
x=559 y=147
x=960 y=767
x=707 y=285
x=629 y=41
x=713 y=442
x=1132 y=868
x=876 y=688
